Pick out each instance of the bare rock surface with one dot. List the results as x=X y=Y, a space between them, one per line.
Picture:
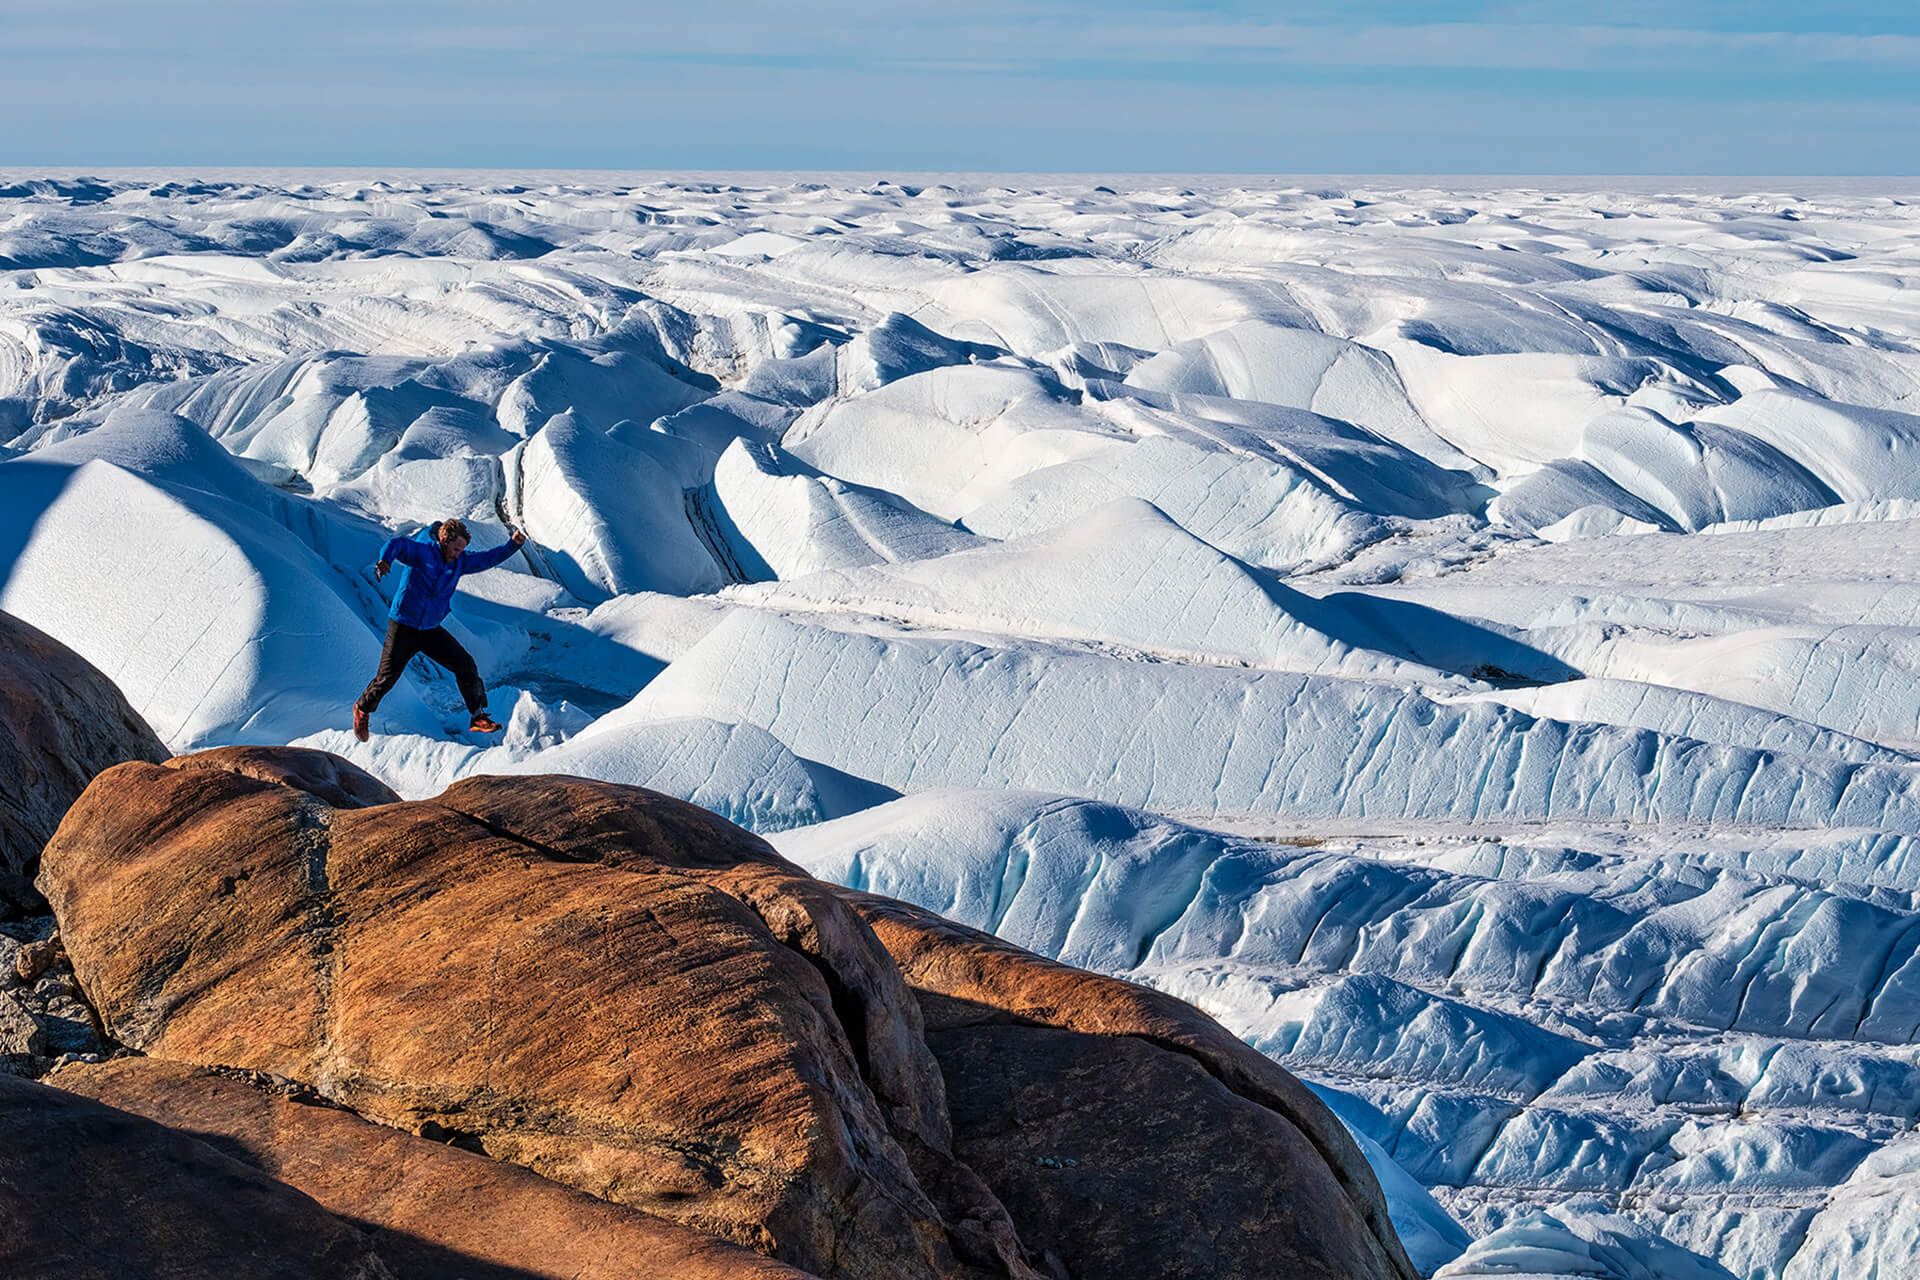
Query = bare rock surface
x=1059 y=1081
x=61 y=722
x=629 y=996
x=433 y=1211
x=89 y=1192
x=21 y=1038
x=340 y=783
x=633 y=1031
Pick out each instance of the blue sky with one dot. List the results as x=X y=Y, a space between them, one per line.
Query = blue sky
x=1068 y=85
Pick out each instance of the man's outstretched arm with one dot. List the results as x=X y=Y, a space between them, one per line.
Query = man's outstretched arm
x=478 y=560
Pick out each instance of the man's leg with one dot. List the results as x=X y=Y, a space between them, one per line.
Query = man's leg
x=401 y=644
x=440 y=645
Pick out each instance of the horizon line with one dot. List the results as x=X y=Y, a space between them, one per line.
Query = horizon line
x=28 y=170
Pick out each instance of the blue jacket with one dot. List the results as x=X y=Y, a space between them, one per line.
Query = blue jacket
x=424 y=592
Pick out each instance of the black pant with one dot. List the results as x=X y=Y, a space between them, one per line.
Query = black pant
x=402 y=643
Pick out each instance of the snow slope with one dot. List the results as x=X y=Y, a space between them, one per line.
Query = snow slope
x=1466 y=637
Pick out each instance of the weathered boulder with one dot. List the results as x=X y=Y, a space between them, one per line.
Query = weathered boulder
x=33 y=959
x=632 y=997
x=61 y=722
x=88 y=1192
x=1058 y=1083
x=635 y=1031
x=432 y=1211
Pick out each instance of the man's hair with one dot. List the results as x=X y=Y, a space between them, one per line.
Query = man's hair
x=450 y=529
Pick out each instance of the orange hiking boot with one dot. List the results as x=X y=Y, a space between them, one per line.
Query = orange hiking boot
x=361 y=727
x=484 y=723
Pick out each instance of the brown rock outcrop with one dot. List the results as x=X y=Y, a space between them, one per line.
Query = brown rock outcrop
x=61 y=722
x=630 y=1030
x=1058 y=1082
x=432 y=1211
x=88 y=1192
x=630 y=996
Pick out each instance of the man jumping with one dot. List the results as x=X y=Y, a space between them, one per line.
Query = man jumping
x=431 y=562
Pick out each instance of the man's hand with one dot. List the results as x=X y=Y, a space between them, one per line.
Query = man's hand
x=517 y=538
x=380 y=569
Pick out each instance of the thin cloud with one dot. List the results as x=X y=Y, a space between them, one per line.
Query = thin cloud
x=959 y=40
x=977 y=39
x=1507 y=46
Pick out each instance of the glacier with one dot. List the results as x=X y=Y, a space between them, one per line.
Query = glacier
x=1463 y=635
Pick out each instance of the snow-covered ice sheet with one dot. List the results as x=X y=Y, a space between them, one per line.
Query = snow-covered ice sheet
x=1467 y=638
x=1522 y=1017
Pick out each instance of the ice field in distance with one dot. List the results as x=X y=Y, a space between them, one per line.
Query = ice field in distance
x=1465 y=636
